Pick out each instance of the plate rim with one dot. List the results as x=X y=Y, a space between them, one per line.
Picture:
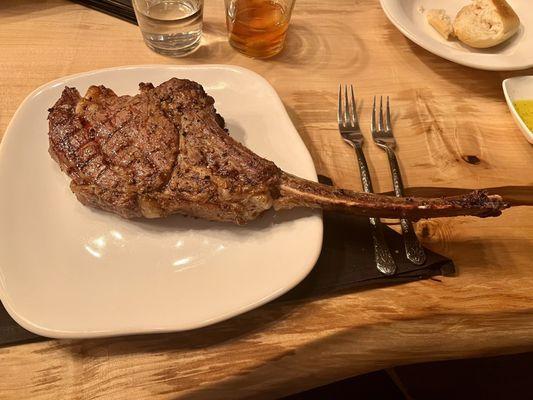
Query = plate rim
x=82 y=334
x=414 y=38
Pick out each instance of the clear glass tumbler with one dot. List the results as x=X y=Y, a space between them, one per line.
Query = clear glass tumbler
x=258 y=28
x=170 y=27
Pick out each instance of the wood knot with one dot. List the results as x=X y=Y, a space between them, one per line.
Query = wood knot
x=474 y=160
x=425 y=231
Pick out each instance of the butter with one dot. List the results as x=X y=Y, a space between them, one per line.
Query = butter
x=524 y=108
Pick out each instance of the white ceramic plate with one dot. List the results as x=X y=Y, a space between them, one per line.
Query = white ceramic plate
x=519 y=88
x=515 y=54
x=70 y=271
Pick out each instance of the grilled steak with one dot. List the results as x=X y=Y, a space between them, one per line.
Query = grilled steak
x=165 y=151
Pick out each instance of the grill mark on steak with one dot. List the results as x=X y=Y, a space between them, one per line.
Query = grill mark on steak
x=165 y=151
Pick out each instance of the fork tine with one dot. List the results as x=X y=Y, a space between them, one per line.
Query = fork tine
x=380 y=122
x=346 y=106
x=373 y=117
x=354 y=108
x=388 y=126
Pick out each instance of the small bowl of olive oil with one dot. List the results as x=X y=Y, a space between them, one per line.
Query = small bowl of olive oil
x=519 y=96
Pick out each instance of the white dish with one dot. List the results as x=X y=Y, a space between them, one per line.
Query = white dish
x=514 y=54
x=70 y=271
x=519 y=88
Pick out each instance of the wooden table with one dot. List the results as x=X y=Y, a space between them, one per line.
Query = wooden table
x=454 y=129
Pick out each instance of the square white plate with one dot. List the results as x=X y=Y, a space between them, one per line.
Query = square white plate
x=514 y=54
x=70 y=271
x=519 y=88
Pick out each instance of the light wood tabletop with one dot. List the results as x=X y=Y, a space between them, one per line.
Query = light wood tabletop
x=453 y=129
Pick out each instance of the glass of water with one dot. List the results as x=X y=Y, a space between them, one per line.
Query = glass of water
x=170 y=27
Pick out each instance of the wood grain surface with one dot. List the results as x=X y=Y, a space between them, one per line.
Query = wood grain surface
x=454 y=130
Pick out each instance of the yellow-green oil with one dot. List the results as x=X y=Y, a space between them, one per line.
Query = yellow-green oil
x=524 y=108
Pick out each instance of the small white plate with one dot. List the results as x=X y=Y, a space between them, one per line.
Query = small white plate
x=519 y=88
x=514 y=54
x=68 y=271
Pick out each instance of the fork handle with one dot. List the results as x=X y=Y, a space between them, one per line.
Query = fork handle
x=384 y=261
x=363 y=169
x=413 y=249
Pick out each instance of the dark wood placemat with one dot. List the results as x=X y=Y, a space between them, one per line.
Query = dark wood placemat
x=122 y=9
x=345 y=264
x=347 y=260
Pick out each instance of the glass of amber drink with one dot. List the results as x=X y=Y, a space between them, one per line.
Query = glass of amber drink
x=258 y=28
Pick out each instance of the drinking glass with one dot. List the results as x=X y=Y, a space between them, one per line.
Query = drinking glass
x=258 y=28
x=170 y=27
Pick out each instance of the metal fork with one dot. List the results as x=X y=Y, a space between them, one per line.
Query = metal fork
x=383 y=137
x=351 y=133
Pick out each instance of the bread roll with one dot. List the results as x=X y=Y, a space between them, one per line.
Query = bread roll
x=439 y=20
x=486 y=23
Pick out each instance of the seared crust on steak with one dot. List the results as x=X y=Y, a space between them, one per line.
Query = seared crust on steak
x=161 y=152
